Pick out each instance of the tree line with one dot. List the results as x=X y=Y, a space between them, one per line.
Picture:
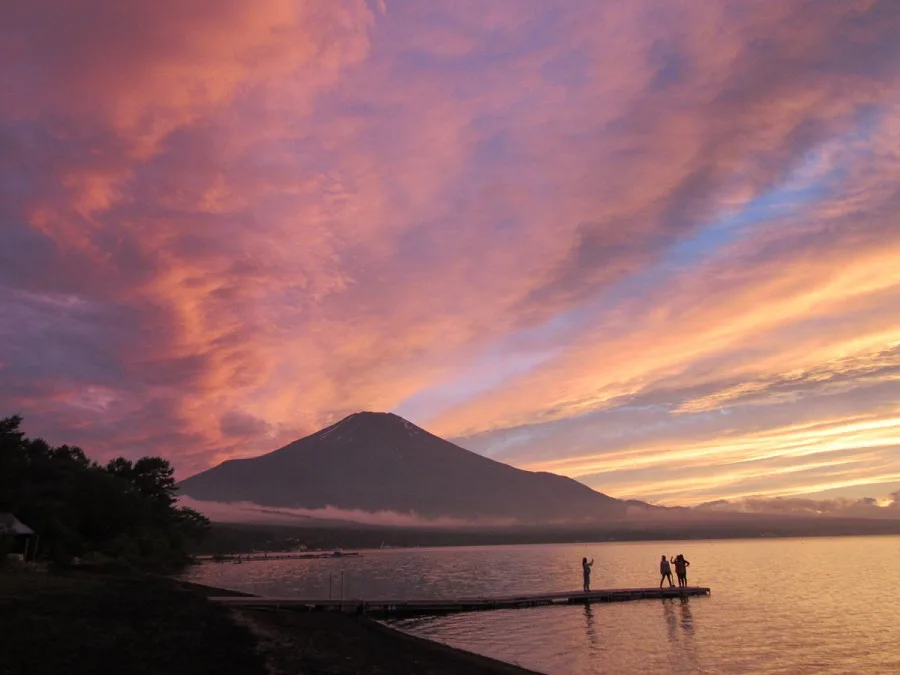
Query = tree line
x=123 y=511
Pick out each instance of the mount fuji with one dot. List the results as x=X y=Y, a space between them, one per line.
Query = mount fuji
x=381 y=462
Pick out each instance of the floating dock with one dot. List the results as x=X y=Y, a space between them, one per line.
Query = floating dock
x=454 y=605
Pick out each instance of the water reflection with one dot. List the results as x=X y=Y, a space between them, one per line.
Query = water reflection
x=590 y=624
x=671 y=621
x=679 y=619
x=687 y=619
x=689 y=659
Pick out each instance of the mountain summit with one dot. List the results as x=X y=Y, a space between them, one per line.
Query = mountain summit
x=381 y=462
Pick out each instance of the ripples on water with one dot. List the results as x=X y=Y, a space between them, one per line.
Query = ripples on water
x=777 y=606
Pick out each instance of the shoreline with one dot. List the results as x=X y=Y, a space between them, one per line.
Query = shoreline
x=290 y=641
x=83 y=622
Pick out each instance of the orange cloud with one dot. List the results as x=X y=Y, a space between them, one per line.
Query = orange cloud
x=231 y=225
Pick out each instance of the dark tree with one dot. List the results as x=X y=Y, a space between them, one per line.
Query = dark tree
x=123 y=510
x=153 y=477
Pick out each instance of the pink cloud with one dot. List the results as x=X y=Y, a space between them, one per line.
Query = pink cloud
x=231 y=225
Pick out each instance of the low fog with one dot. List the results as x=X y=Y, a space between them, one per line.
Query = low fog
x=867 y=507
x=248 y=512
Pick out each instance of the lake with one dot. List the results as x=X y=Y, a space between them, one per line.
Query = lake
x=819 y=605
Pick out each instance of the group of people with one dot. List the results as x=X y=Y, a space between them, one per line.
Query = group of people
x=665 y=571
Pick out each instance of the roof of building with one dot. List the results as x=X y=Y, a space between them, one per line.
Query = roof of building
x=9 y=524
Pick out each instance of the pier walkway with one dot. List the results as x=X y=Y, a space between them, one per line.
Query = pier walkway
x=453 y=605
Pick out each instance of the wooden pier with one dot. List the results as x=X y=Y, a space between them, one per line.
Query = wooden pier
x=453 y=605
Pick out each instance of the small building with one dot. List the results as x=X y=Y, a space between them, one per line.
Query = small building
x=24 y=538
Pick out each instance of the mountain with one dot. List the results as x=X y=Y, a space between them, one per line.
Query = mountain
x=381 y=462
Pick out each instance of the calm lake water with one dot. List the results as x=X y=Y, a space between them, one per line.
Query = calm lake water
x=829 y=605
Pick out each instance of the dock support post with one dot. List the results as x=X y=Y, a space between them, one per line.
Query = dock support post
x=329 y=585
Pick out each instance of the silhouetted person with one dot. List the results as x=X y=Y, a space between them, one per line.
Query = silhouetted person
x=586 y=572
x=665 y=572
x=681 y=566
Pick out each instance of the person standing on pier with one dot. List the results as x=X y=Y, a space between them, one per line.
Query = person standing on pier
x=586 y=572
x=665 y=572
x=681 y=566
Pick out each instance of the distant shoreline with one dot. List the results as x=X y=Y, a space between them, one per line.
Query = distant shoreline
x=243 y=538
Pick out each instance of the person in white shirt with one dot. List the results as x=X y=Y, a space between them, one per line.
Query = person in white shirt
x=665 y=572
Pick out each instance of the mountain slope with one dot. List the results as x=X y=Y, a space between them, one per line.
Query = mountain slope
x=381 y=462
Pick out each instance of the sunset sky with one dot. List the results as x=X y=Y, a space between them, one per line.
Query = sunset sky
x=651 y=245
